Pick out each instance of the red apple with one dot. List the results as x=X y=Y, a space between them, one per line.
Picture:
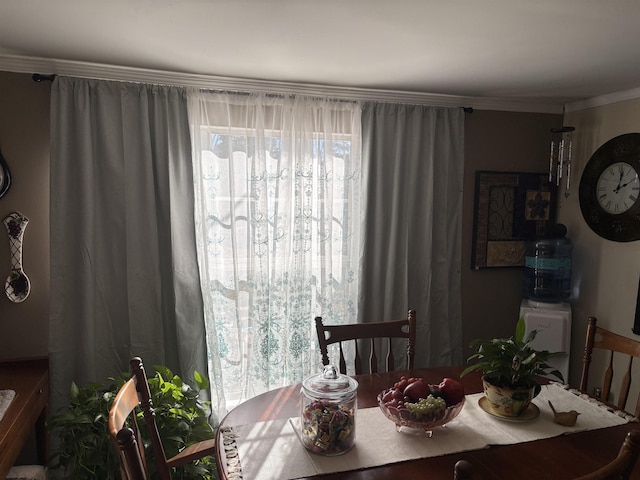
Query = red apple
x=417 y=390
x=451 y=390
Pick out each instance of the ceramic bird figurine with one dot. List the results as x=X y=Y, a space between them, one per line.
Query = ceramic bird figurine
x=567 y=419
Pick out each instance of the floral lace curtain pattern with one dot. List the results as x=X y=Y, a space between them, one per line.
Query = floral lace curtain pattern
x=277 y=187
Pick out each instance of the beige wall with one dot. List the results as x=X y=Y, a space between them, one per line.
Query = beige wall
x=605 y=273
x=24 y=142
x=500 y=141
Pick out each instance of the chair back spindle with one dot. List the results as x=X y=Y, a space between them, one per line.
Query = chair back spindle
x=463 y=470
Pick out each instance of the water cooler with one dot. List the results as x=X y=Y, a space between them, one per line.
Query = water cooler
x=546 y=289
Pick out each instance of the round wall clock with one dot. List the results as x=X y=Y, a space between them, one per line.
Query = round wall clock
x=610 y=189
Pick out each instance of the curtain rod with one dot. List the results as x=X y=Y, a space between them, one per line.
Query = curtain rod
x=240 y=92
x=37 y=77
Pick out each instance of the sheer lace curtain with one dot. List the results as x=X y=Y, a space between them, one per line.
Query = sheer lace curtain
x=278 y=220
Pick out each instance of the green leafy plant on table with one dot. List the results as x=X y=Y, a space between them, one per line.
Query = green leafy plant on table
x=85 y=450
x=512 y=362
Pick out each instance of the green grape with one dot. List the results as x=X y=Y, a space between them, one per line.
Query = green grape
x=430 y=406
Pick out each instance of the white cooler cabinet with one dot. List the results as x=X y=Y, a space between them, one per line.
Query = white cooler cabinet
x=553 y=322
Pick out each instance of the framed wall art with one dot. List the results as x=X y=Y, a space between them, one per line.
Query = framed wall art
x=510 y=208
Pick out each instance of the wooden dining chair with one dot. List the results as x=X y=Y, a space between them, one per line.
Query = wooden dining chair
x=622 y=466
x=616 y=345
x=125 y=433
x=328 y=334
x=463 y=470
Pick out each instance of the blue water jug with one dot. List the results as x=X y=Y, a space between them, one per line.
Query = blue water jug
x=547 y=272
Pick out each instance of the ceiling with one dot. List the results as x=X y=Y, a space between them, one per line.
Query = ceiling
x=551 y=52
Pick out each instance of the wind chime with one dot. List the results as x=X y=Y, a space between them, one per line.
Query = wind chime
x=560 y=158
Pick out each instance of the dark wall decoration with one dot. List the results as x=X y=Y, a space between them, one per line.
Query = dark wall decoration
x=636 y=323
x=5 y=176
x=510 y=208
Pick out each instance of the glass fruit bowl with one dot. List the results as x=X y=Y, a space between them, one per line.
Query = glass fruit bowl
x=403 y=418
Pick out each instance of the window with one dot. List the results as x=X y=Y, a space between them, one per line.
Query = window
x=279 y=222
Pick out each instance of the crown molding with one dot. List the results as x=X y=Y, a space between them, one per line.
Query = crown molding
x=602 y=100
x=49 y=66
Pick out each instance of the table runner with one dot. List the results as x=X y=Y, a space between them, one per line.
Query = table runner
x=272 y=450
x=6 y=397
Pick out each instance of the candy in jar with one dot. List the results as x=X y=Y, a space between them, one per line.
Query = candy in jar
x=328 y=412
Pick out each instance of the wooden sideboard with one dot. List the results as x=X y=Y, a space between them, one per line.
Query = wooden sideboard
x=29 y=409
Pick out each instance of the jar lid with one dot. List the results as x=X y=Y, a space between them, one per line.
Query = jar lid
x=330 y=384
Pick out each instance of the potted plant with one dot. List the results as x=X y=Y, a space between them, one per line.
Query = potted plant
x=85 y=450
x=511 y=368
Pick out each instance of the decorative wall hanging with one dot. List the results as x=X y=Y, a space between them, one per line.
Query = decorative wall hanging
x=510 y=208
x=560 y=158
x=5 y=176
x=17 y=286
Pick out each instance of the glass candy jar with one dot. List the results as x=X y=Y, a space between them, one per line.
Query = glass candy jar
x=328 y=404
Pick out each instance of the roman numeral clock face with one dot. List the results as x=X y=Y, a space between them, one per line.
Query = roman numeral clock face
x=610 y=189
x=617 y=188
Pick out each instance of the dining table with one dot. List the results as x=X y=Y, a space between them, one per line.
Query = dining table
x=567 y=455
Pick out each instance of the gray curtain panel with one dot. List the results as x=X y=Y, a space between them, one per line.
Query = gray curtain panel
x=412 y=177
x=124 y=274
